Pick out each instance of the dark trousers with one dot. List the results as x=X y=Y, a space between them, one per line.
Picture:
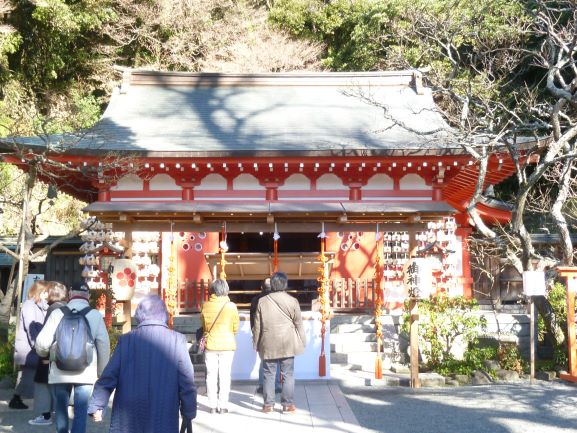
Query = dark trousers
x=288 y=381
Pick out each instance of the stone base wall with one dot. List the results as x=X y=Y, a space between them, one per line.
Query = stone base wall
x=504 y=327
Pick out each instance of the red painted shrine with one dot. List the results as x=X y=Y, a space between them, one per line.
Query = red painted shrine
x=183 y=155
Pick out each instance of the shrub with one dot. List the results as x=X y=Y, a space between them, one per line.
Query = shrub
x=473 y=359
x=7 y=356
x=557 y=297
x=114 y=334
x=510 y=358
x=443 y=320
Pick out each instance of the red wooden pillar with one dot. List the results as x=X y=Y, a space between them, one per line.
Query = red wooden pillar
x=355 y=193
x=103 y=194
x=187 y=191
x=271 y=193
x=467 y=279
x=438 y=192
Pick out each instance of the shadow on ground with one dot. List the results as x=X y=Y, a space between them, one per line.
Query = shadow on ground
x=522 y=408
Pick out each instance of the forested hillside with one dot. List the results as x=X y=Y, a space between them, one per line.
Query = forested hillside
x=57 y=56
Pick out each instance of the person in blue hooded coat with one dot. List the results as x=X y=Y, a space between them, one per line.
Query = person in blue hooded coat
x=153 y=376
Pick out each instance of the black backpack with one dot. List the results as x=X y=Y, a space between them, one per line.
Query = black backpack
x=74 y=344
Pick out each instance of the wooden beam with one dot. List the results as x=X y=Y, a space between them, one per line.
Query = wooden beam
x=256 y=227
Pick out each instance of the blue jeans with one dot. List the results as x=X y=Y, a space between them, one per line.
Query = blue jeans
x=82 y=394
x=288 y=381
x=277 y=382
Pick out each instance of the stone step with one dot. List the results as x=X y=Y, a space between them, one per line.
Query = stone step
x=349 y=376
x=352 y=328
x=353 y=346
x=352 y=337
x=362 y=360
x=196 y=358
x=339 y=319
x=187 y=324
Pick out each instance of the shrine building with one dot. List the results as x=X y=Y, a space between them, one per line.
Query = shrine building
x=201 y=158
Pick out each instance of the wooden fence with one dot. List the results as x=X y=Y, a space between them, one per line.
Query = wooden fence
x=345 y=295
x=348 y=294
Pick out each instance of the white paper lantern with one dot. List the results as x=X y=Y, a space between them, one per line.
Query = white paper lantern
x=123 y=279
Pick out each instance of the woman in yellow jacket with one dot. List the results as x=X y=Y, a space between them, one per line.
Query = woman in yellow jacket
x=219 y=318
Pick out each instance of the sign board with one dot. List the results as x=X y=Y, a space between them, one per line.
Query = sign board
x=418 y=277
x=572 y=284
x=28 y=281
x=534 y=283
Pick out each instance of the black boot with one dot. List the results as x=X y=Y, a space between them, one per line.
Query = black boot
x=17 y=403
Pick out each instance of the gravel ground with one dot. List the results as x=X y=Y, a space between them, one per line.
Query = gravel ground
x=546 y=407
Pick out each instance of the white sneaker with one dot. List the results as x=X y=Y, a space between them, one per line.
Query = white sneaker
x=39 y=420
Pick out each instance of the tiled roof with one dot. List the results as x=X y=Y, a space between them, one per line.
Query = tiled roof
x=220 y=114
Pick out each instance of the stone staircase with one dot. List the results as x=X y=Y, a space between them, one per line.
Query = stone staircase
x=354 y=343
x=188 y=325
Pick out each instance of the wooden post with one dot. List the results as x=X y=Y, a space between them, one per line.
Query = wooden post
x=414 y=342
x=571 y=332
x=532 y=315
x=414 y=314
x=571 y=274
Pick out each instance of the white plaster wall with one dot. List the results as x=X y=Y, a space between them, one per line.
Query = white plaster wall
x=163 y=182
x=296 y=182
x=246 y=182
x=414 y=181
x=130 y=182
x=379 y=182
x=212 y=182
x=330 y=181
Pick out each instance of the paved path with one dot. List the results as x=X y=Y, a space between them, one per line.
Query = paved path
x=327 y=407
x=321 y=408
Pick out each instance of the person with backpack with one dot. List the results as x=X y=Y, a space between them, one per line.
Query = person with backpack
x=75 y=336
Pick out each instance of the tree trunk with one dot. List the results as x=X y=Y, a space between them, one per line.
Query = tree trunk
x=25 y=244
x=553 y=329
x=559 y=218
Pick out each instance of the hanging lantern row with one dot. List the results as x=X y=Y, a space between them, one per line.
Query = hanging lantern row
x=144 y=247
x=170 y=290
x=223 y=248
x=378 y=303
x=99 y=235
x=323 y=290
x=275 y=238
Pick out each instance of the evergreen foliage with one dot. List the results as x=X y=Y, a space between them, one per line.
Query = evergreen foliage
x=444 y=323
